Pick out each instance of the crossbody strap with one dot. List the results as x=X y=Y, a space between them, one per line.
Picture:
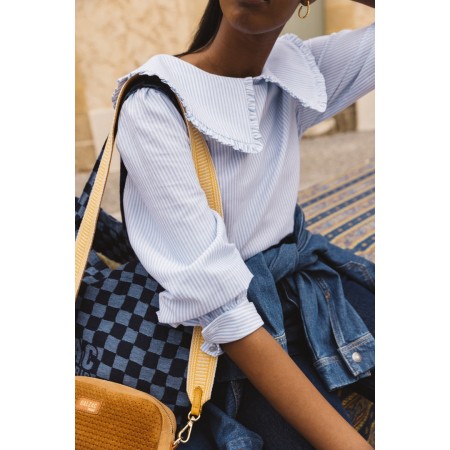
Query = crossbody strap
x=201 y=367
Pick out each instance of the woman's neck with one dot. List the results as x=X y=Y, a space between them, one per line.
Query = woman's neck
x=234 y=54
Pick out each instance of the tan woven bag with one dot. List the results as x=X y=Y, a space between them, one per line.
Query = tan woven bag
x=112 y=416
x=109 y=415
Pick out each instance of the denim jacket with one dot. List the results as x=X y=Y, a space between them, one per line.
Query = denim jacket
x=343 y=349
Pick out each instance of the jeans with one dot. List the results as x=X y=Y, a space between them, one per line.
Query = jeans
x=257 y=424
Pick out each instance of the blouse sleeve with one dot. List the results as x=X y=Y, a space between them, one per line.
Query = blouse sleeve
x=180 y=241
x=347 y=62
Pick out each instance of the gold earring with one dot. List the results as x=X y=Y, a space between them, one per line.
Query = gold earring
x=308 y=7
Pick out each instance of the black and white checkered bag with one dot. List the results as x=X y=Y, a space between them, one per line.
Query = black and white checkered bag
x=118 y=337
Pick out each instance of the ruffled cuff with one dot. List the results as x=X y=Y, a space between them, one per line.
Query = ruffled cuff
x=230 y=326
x=230 y=322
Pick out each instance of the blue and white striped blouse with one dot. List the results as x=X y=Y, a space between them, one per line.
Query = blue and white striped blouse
x=252 y=127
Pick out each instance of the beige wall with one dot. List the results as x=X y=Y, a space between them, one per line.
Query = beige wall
x=115 y=36
x=112 y=38
x=342 y=14
x=84 y=145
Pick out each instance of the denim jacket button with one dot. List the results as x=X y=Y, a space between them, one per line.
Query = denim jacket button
x=356 y=357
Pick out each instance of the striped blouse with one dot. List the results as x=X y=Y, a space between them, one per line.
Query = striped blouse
x=252 y=127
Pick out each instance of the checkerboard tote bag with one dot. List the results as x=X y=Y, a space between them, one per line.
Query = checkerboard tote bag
x=134 y=376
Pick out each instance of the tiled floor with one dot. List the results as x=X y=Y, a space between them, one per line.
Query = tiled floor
x=322 y=158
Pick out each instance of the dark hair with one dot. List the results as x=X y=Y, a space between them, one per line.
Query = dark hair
x=207 y=28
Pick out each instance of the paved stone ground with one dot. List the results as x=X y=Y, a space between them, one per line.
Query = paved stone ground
x=326 y=157
x=322 y=158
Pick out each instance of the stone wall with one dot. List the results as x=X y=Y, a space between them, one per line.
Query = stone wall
x=84 y=144
x=112 y=38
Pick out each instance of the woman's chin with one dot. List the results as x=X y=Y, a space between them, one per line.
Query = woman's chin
x=257 y=16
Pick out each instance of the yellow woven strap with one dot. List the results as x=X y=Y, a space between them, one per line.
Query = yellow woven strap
x=202 y=367
x=86 y=231
x=205 y=169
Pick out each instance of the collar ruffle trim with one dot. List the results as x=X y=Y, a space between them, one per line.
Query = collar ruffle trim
x=224 y=108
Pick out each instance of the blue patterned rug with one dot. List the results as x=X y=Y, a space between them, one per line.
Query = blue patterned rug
x=343 y=210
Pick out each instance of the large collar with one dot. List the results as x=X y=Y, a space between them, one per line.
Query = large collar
x=224 y=107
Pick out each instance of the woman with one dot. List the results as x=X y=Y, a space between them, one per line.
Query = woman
x=252 y=95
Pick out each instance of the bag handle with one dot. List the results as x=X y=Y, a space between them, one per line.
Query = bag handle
x=201 y=367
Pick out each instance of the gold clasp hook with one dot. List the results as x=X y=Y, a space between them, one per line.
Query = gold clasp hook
x=187 y=428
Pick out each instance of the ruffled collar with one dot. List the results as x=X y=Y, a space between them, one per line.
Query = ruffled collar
x=224 y=107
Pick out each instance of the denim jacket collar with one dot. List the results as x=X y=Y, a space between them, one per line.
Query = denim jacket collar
x=223 y=108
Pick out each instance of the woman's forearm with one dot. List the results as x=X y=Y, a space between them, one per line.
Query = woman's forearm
x=283 y=384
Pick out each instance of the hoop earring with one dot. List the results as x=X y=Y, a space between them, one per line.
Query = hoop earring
x=308 y=7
